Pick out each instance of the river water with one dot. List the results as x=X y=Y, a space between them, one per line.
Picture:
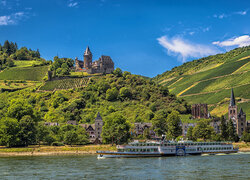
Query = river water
x=235 y=166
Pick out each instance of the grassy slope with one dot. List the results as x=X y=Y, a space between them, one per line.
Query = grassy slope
x=20 y=63
x=24 y=73
x=212 y=83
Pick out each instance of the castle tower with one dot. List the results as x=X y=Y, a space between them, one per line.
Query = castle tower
x=232 y=109
x=98 y=126
x=241 y=123
x=87 y=58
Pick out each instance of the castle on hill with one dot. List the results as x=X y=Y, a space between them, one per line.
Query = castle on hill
x=103 y=65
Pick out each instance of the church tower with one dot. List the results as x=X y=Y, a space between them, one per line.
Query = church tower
x=87 y=58
x=98 y=126
x=232 y=109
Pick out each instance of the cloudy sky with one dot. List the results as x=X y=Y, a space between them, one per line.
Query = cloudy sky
x=142 y=36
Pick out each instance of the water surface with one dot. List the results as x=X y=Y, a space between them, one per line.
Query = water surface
x=235 y=166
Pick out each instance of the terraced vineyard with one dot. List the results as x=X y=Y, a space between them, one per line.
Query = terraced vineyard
x=211 y=84
x=64 y=84
x=24 y=73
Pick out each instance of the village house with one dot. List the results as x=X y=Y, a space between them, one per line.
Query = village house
x=51 y=124
x=185 y=127
x=139 y=129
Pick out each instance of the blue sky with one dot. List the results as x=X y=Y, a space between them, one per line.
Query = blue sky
x=141 y=36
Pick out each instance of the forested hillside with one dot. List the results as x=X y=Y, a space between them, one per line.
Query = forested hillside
x=120 y=95
x=209 y=80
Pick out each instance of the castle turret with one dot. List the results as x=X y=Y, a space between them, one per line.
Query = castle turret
x=87 y=58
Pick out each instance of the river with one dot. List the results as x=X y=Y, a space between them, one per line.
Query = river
x=234 y=166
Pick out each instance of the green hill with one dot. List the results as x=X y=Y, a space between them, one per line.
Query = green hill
x=209 y=80
x=136 y=98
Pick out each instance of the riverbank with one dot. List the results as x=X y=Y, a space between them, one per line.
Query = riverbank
x=243 y=147
x=54 y=150
x=75 y=150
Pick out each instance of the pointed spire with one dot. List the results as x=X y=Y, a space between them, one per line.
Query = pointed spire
x=87 y=51
x=241 y=112
x=98 y=117
x=232 y=100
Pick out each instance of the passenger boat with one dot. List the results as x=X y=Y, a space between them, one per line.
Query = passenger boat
x=168 y=148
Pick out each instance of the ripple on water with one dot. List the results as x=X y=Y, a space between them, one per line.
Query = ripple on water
x=89 y=167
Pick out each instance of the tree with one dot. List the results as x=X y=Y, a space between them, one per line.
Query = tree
x=190 y=133
x=245 y=137
x=126 y=73
x=27 y=133
x=160 y=123
x=19 y=108
x=115 y=129
x=42 y=133
x=82 y=136
x=9 y=129
x=203 y=130
x=22 y=54
x=61 y=66
x=125 y=93
x=173 y=125
x=112 y=94
x=70 y=137
x=118 y=72
x=146 y=133
x=232 y=136
x=7 y=47
x=12 y=48
x=223 y=128
x=37 y=54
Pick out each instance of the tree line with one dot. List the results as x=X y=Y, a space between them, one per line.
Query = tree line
x=9 y=52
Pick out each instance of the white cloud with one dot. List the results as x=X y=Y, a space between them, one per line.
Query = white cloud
x=72 y=3
x=222 y=16
x=183 y=49
x=191 y=33
x=242 y=13
x=237 y=41
x=11 y=19
x=6 y=20
x=206 y=29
